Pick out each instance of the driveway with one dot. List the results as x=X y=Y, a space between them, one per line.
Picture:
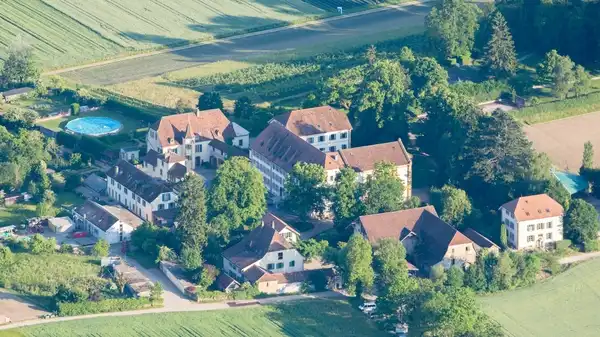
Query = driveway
x=17 y=309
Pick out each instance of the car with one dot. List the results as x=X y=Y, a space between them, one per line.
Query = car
x=367 y=307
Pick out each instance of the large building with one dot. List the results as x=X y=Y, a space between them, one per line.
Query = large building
x=533 y=222
x=200 y=137
x=428 y=240
x=139 y=192
x=111 y=223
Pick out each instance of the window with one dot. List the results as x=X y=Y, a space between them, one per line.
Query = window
x=292 y=263
x=332 y=137
x=311 y=140
x=279 y=266
x=119 y=186
x=112 y=181
x=188 y=146
x=344 y=135
x=161 y=206
x=549 y=236
x=166 y=197
x=549 y=225
x=279 y=256
x=332 y=149
x=143 y=202
x=287 y=235
x=530 y=238
x=161 y=172
x=530 y=228
x=175 y=150
x=171 y=205
x=126 y=191
x=270 y=266
x=198 y=147
x=512 y=237
x=540 y=226
x=137 y=198
x=467 y=248
x=321 y=138
x=322 y=149
x=241 y=142
x=344 y=146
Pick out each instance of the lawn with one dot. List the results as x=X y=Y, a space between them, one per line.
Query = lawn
x=18 y=213
x=129 y=124
x=564 y=305
x=306 y=318
x=66 y=32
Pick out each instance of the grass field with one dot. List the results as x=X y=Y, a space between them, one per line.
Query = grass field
x=565 y=305
x=314 y=318
x=67 y=32
x=129 y=124
x=16 y=214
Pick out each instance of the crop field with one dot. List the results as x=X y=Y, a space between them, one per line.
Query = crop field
x=332 y=5
x=65 y=32
x=314 y=318
x=565 y=305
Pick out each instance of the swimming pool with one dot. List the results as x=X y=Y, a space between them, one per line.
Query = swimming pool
x=94 y=126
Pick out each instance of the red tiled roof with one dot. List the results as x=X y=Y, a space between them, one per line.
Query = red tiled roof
x=364 y=158
x=312 y=121
x=255 y=245
x=270 y=219
x=534 y=207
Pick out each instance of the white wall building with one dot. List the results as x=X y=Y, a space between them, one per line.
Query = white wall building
x=111 y=223
x=138 y=191
x=197 y=137
x=533 y=222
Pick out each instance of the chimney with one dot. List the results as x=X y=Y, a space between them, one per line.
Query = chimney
x=197 y=112
x=273 y=224
x=117 y=170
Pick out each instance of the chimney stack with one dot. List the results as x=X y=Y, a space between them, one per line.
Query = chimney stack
x=197 y=112
x=273 y=224
x=117 y=170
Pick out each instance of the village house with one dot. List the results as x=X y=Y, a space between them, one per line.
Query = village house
x=198 y=137
x=111 y=223
x=288 y=232
x=533 y=222
x=481 y=242
x=429 y=241
x=168 y=166
x=138 y=191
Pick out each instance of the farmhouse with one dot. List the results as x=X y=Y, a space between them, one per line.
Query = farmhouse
x=199 y=137
x=166 y=166
x=138 y=191
x=11 y=95
x=111 y=223
x=481 y=242
x=534 y=221
x=428 y=240
x=288 y=232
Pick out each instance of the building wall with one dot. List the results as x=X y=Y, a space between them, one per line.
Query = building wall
x=289 y=235
x=273 y=176
x=112 y=235
x=532 y=234
x=459 y=255
x=288 y=256
x=327 y=144
x=231 y=269
x=161 y=169
x=138 y=206
x=274 y=287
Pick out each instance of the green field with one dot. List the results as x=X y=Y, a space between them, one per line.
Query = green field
x=65 y=32
x=129 y=124
x=18 y=213
x=564 y=305
x=326 y=318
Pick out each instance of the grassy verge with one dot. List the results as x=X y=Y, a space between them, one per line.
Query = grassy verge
x=18 y=213
x=561 y=306
x=546 y=112
x=299 y=319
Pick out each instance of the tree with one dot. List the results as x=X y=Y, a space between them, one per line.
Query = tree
x=356 y=260
x=588 y=156
x=192 y=229
x=165 y=254
x=312 y=248
x=500 y=56
x=19 y=67
x=527 y=268
x=190 y=258
x=342 y=89
x=558 y=71
x=406 y=57
x=121 y=282
x=45 y=209
x=237 y=194
x=6 y=256
x=427 y=77
x=502 y=272
x=305 y=189
x=558 y=192
x=243 y=108
x=208 y=275
x=581 y=222
x=437 y=274
x=503 y=236
x=40 y=245
x=101 y=248
x=455 y=277
x=371 y=54
x=21 y=117
x=384 y=190
x=453 y=204
x=310 y=101
x=156 y=293
x=346 y=205
x=451 y=28
x=583 y=81
x=210 y=100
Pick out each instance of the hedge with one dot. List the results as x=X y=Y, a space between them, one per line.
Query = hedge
x=563 y=244
x=109 y=305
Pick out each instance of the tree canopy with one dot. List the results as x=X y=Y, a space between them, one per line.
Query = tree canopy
x=210 y=100
x=453 y=205
x=384 y=190
x=356 y=264
x=305 y=189
x=19 y=67
x=192 y=228
x=346 y=204
x=500 y=55
x=581 y=222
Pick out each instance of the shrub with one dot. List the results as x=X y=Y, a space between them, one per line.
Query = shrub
x=75 y=109
x=6 y=256
x=101 y=248
x=109 y=305
x=591 y=246
x=563 y=244
x=41 y=245
x=65 y=249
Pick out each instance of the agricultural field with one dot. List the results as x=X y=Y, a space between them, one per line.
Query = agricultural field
x=306 y=318
x=565 y=305
x=332 y=5
x=67 y=32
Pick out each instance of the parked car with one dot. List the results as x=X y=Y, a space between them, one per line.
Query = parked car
x=367 y=307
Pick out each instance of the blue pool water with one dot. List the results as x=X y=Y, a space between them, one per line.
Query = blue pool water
x=94 y=126
x=572 y=182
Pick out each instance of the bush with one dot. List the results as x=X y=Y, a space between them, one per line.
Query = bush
x=75 y=109
x=484 y=91
x=101 y=248
x=41 y=245
x=563 y=244
x=109 y=305
x=591 y=246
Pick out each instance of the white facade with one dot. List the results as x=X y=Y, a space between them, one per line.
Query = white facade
x=273 y=175
x=118 y=232
x=532 y=234
x=283 y=261
x=161 y=169
x=136 y=204
x=330 y=141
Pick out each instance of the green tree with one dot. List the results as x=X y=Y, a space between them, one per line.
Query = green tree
x=190 y=258
x=346 y=205
x=192 y=229
x=6 y=256
x=101 y=248
x=437 y=274
x=502 y=271
x=210 y=100
x=120 y=282
x=559 y=72
x=165 y=254
x=427 y=77
x=475 y=275
x=583 y=81
x=451 y=27
x=208 y=275
x=40 y=245
x=356 y=260
x=500 y=56
x=406 y=57
x=342 y=89
x=527 y=268
x=21 y=117
x=384 y=190
x=305 y=189
x=545 y=70
x=310 y=101
x=455 y=277
x=558 y=192
x=453 y=205
x=156 y=293
x=581 y=222
x=238 y=195
x=243 y=108
x=19 y=67
x=503 y=236
x=371 y=54
x=312 y=248
x=588 y=156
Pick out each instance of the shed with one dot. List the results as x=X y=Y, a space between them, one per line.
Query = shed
x=130 y=153
x=95 y=183
x=61 y=225
x=14 y=94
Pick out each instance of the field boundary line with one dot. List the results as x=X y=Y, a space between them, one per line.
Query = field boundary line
x=241 y=36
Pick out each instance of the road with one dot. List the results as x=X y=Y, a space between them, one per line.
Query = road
x=287 y=39
x=579 y=258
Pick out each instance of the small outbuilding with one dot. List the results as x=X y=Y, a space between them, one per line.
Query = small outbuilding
x=61 y=225
x=14 y=94
x=129 y=153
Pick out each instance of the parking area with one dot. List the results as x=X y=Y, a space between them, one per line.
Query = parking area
x=17 y=309
x=563 y=139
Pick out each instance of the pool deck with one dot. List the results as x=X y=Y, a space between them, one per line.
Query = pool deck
x=94 y=126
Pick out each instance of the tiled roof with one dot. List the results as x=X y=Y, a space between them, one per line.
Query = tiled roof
x=152 y=157
x=207 y=124
x=137 y=181
x=534 y=207
x=96 y=214
x=224 y=281
x=270 y=219
x=178 y=171
x=255 y=245
x=479 y=239
x=312 y=121
x=364 y=158
x=17 y=91
x=124 y=215
x=230 y=150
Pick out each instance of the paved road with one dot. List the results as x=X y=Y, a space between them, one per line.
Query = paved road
x=579 y=258
x=289 y=39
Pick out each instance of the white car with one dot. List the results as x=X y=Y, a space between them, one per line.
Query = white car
x=368 y=307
